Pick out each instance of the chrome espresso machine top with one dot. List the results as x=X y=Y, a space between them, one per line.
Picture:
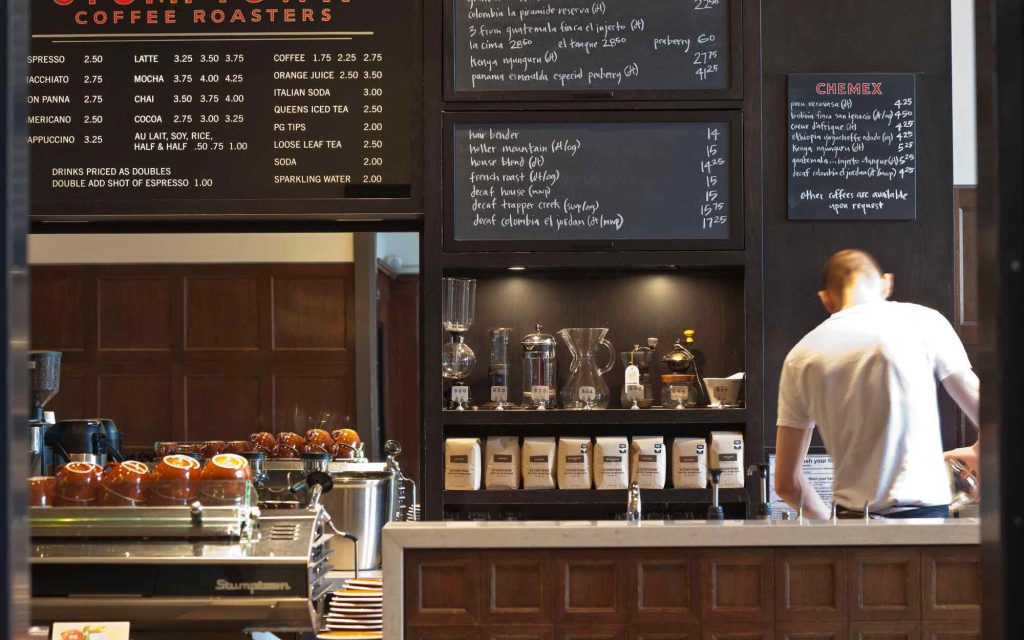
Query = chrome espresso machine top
x=227 y=568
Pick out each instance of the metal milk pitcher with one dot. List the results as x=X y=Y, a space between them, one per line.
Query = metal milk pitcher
x=586 y=388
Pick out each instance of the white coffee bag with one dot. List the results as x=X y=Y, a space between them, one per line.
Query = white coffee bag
x=461 y=464
x=690 y=463
x=647 y=462
x=611 y=463
x=538 y=458
x=502 y=462
x=727 y=455
x=574 y=463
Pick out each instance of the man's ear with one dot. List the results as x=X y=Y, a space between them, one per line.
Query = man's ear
x=888 y=282
x=827 y=301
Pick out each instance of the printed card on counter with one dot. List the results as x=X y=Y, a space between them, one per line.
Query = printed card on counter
x=90 y=631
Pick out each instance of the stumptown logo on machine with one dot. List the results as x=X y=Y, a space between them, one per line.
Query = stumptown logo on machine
x=251 y=587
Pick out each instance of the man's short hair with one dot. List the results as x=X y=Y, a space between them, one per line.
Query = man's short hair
x=844 y=266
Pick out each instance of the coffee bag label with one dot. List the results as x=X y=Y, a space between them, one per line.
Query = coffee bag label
x=459 y=459
x=539 y=458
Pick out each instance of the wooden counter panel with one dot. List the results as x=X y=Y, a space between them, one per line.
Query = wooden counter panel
x=590 y=587
x=885 y=584
x=859 y=593
x=517 y=589
x=821 y=630
x=810 y=584
x=951 y=584
x=737 y=585
x=664 y=587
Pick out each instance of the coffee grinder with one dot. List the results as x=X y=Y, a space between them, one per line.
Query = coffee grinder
x=44 y=373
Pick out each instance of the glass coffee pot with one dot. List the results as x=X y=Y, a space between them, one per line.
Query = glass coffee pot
x=458 y=305
x=586 y=388
x=540 y=373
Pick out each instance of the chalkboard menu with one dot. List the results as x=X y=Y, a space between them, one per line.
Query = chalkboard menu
x=220 y=106
x=852 y=147
x=588 y=45
x=591 y=181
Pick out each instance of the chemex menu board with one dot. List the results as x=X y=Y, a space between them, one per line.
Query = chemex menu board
x=573 y=46
x=221 y=106
x=579 y=178
x=852 y=147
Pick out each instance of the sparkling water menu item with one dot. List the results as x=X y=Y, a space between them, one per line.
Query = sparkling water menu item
x=592 y=181
x=219 y=106
x=852 y=147
x=583 y=45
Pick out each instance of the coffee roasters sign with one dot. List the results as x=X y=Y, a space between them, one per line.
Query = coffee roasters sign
x=219 y=106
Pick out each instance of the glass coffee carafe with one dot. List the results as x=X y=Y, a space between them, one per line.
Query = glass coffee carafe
x=586 y=388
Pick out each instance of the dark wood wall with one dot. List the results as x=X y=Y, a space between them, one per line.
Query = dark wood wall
x=854 y=36
x=398 y=298
x=200 y=351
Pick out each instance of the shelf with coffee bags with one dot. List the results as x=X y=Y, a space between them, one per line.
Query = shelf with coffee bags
x=587 y=496
x=626 y=417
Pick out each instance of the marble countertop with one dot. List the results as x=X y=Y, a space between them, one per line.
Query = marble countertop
x=681 y=533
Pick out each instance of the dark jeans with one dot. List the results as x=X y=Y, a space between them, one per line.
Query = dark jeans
x=938 y=511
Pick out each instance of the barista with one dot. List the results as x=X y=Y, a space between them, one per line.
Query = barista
x=866 y=377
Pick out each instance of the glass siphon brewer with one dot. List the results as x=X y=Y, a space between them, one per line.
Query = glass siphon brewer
x=540 y=375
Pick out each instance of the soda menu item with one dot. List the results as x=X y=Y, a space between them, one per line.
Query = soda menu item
x=852 y=147
x=582 y=45
x=592 y=181
x=220 y=106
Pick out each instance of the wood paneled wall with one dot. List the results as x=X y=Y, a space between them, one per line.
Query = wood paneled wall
x=201 y=351
x=399 y=318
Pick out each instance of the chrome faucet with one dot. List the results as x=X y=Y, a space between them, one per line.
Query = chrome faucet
x=633 y=506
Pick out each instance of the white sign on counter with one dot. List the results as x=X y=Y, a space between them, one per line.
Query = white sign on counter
x=819 y=472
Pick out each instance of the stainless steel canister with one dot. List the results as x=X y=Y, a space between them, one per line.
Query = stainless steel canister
x=361 y=503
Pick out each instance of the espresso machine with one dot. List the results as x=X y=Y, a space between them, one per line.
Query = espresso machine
x=44 y=373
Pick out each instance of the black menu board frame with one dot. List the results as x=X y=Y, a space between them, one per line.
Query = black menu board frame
x=881 y=92
x=733 y=241
x=65 y=214
x=734 y=91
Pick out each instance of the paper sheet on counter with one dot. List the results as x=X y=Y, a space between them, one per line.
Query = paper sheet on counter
x=819 y=471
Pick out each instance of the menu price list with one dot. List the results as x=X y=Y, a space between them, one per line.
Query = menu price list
x=598 y=181
x=607 y=45
x=852 y=147
x=275 y=115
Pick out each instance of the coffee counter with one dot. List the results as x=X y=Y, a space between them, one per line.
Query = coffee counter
x=681 y=579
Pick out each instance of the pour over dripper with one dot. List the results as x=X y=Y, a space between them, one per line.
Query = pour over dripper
x=586 y=388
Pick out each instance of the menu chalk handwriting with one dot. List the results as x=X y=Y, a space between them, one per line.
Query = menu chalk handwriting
x=587 y=45
x=591 y=181
x=852 y=147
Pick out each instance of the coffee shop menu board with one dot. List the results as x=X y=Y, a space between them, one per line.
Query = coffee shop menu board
x=852 y=147
x=590 y=45
x=591 y=181
x=257 y=104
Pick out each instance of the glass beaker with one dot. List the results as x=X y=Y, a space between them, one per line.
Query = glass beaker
x=586 y=388
x=497 y=370
x=458 y=304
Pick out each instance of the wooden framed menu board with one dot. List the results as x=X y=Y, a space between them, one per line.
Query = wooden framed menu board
x=600 y=49
x=231 y=107
x=852 y=147
x=584 y=180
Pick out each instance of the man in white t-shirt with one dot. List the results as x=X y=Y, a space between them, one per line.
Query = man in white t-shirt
x=867 y=378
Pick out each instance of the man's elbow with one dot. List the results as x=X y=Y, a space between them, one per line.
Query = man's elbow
x=787 y=488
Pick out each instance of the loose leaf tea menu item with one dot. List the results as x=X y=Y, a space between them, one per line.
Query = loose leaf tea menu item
x=852 y=147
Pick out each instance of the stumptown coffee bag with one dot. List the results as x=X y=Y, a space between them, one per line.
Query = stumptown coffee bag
x=574 y=463
x=611 y=463
x=647 y=462
x=690 y=463
x=502 y=462
x=538 y=457
x=461 y=464
x=727 y=455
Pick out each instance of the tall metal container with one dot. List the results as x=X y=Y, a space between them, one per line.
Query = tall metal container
x=361 y=503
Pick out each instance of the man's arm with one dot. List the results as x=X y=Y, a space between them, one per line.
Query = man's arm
x=964 y=388
x=790 y=482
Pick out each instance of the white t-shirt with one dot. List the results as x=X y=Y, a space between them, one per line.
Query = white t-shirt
x=867 y=377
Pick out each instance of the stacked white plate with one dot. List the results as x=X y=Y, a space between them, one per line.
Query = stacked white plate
x=356 y=611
